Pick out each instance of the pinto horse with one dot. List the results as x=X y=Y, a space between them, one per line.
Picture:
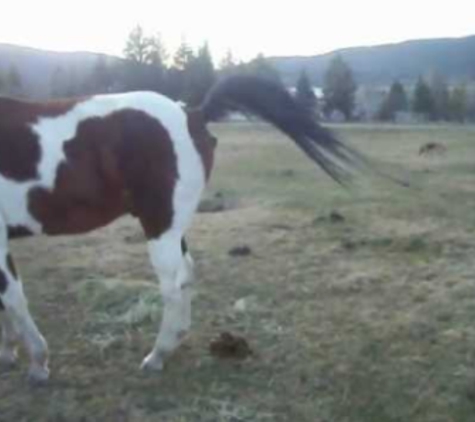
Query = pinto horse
x=71 y=166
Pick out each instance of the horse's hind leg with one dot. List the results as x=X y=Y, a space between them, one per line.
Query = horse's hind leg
x=174 y=268
x=18 y=318
x=165 y=177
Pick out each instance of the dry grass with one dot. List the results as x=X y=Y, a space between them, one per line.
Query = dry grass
x=361 y=320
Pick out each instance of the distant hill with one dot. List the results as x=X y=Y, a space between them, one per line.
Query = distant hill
x=380 y=65
x=36 y=67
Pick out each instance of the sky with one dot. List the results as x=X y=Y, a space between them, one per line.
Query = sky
x=246 y=27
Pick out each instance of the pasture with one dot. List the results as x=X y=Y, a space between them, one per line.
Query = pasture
x=359 y=307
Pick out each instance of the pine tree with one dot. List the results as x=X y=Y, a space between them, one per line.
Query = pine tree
x=145 y=50
x=156 y=54
x=305 y=94
x=339 y=88
x=174 y=83
x=395 y=101
x=157 y=58
x=228 y=64
x=183 y=56
x=440 y=94
x=458 y=103
x=178 y=76
x=423 y=101
x=137 y=46
x=200 y=76
x=145 y=67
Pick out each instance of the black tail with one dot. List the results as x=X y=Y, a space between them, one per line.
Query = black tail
x=271 y=101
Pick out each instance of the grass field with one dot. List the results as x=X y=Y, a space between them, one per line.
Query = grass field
x=359 y=305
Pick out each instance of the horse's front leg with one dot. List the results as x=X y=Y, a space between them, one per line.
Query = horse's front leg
x=18 y=322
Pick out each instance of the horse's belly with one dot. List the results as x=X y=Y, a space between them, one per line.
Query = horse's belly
x=74 y=213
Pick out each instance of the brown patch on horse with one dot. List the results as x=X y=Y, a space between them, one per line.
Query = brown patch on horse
x=87 y=194
x=20 y=153
x=205 y=143
x=118 y=164
x=11 y=266
x=149 y=164
x=20 y=150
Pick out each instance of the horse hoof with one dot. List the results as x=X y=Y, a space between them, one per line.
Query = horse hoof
x=152 y=364
x=38 y=376
x=8 y=358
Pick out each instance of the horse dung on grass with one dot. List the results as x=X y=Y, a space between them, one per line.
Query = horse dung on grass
x=71 y=166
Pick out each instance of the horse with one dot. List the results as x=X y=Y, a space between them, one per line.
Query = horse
x=70 y=166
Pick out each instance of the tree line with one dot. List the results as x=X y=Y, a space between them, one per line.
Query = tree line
x=147 y=65
x=431 y=99
x=187 y=74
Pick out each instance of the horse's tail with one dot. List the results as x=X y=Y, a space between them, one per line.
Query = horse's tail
x=273 y=103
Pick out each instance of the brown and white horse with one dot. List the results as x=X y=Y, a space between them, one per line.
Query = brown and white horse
x=68 y=167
